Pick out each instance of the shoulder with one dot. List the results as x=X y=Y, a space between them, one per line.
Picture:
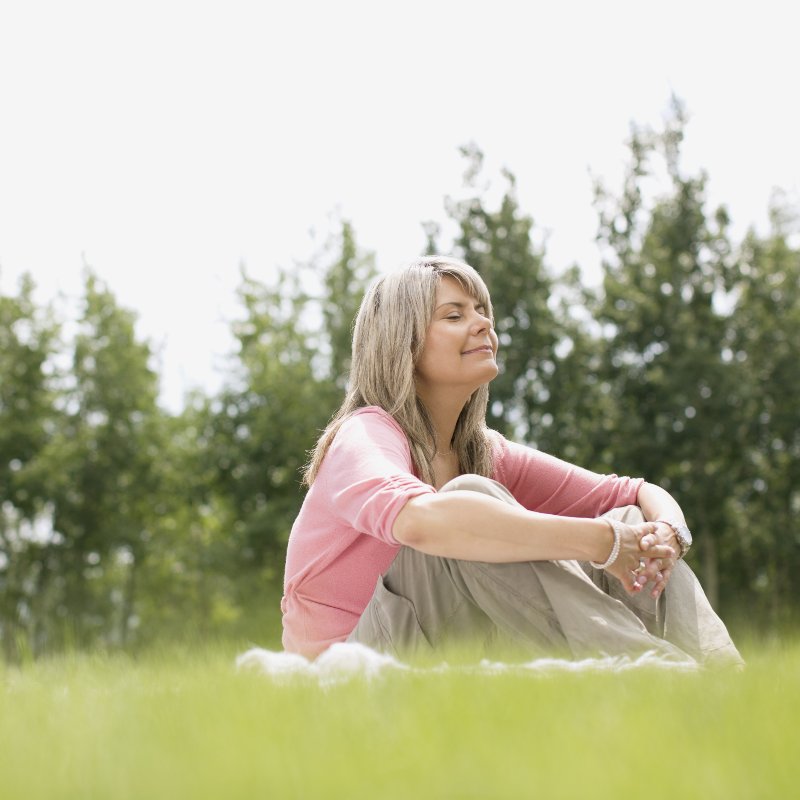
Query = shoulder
x=502 y=448
x=368 y=443
x=372 y=427
x=497 y=441
x=372 y=418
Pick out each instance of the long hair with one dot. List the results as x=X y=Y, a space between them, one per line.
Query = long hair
x=388 y=337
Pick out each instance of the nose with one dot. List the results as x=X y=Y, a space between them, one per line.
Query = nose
x=481 y=323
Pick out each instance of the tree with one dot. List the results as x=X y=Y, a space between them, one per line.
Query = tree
x=102 y=471
x=578 y=408
x=668 y=267
x=287 y=381
x=28 y=340
x=344 y=283
x=265 y=420
x=765 y=346
x=192 y=583
x=499 y=245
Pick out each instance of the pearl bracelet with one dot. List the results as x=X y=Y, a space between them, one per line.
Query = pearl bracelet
x=612 y=557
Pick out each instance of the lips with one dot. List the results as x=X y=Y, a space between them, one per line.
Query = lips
x=485 y=348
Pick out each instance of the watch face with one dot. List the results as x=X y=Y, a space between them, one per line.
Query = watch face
x=684 y=536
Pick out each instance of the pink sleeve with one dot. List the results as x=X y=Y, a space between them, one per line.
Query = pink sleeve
x=367 y=474
x=547 y=484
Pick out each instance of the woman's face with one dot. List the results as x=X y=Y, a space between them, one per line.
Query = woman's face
x=460 y=344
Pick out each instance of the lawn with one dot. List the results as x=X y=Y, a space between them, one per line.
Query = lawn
x=188 y=725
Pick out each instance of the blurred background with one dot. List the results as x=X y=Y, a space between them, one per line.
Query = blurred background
x=193 y=197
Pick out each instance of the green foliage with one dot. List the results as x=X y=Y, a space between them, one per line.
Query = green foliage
x=676 y=404
x=344 y=283
x=498 y=244
x=680 y=368
x=28 y=339
x=276 y=390
x=101 y=468
x=764 y=344
x=266 y=420
x=122 y=525
x=252 y=439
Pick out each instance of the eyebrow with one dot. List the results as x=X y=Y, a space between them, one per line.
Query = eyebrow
x=459 y=304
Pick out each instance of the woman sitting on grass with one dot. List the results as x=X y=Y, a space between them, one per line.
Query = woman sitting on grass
x=423 y=528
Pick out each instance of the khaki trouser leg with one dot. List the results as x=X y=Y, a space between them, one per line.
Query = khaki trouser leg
x=682 y=615
x=544 y=607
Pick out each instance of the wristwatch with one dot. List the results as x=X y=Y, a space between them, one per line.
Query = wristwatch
x=682 y=534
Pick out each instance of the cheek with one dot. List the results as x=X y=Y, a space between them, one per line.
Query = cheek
x=432 y=351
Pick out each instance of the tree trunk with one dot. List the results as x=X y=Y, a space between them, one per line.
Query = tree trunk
x=128 y=602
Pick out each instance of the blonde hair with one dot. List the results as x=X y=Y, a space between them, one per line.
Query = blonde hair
x=388 y=337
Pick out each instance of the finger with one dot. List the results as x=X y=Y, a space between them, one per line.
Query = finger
x=639 y=571
x=641 y=577
x=650 y=567
x=647 y=541
x=661 y=584
x=658 y=551
x=659 y=566
x=635 y=587
x=630 y=583
x=654 y=570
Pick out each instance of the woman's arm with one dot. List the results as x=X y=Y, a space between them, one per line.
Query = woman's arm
x=471 y=526
x=657 y=503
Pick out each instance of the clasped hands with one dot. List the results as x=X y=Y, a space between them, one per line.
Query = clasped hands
x=648 y=554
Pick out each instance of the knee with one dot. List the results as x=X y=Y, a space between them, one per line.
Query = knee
x=470 y=483
x=630 y=515
x=478 y=483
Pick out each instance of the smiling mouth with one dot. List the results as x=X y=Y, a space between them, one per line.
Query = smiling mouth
x=483 y=349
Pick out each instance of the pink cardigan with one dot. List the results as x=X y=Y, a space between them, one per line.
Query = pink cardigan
x=342 y=542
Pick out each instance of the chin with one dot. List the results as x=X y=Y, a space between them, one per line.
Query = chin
x=486 y=381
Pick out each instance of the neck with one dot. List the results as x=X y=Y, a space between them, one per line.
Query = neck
x=444 y=413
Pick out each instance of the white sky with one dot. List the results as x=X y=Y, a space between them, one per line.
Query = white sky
x=164 y=143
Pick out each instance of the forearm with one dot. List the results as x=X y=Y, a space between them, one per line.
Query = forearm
x=474 y=527
x=657 y=503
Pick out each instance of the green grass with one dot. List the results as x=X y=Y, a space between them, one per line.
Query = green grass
x=186 y=725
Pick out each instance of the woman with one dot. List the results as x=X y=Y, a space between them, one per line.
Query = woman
x=422 y=527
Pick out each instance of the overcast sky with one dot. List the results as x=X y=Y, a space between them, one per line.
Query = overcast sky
x=164 y=143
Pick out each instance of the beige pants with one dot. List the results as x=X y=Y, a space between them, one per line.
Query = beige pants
x=541 y=608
